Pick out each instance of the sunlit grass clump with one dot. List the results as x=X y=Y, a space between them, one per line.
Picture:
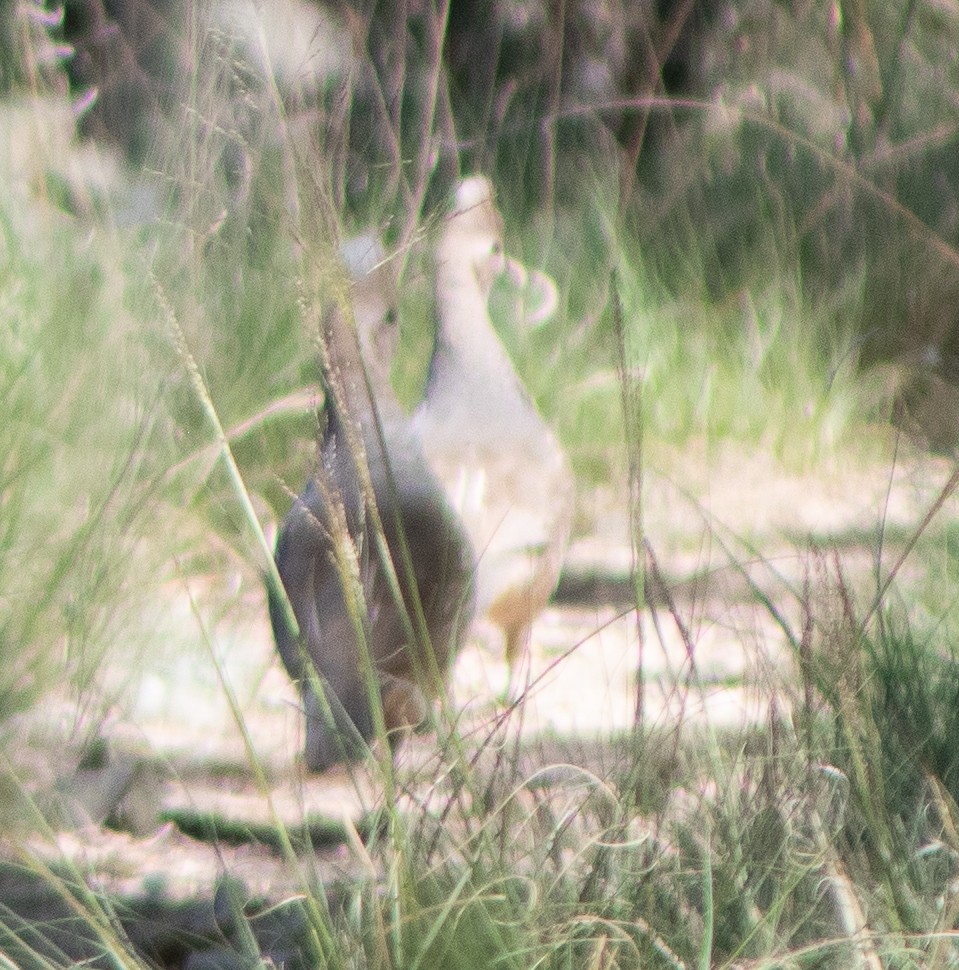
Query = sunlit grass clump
x=767 y=365
x=79 y=401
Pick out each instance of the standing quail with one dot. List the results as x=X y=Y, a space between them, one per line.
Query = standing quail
x=411 y=643
x=503 y=468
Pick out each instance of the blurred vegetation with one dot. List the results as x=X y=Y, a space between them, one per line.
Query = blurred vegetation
x=740 y=146
x=80 y=401
x=768 y=190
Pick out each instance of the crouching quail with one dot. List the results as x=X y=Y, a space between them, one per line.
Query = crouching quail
x=378 y=569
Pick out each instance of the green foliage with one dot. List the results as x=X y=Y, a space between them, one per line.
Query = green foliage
x=825 y=130
x=79 y=401
x=769 y=364
x=157 y=386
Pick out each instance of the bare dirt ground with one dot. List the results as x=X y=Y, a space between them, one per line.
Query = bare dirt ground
x=721 y=526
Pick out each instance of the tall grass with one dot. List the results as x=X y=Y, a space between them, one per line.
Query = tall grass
x=766 y=364
x=80 y=403
x=159 y=384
